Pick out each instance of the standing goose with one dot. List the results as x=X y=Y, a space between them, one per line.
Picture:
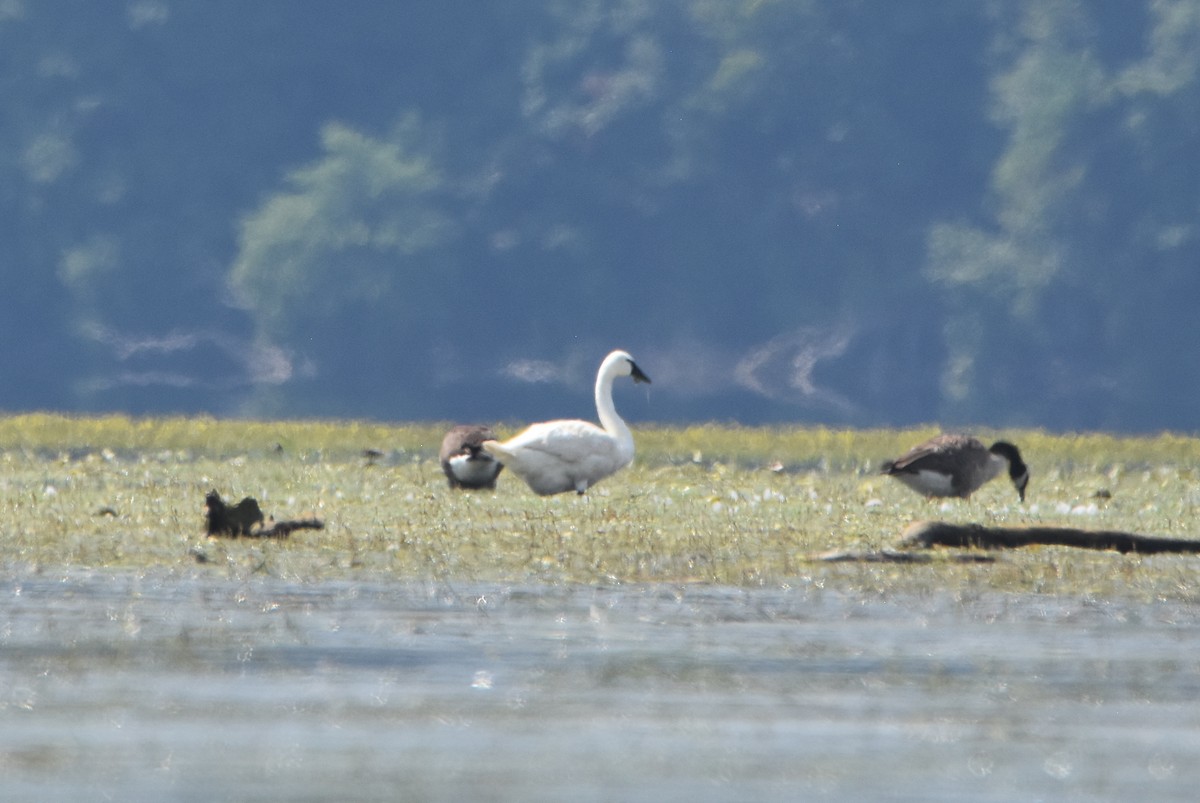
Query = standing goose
x=957 y=465
x=463 y=459
x=557 y=456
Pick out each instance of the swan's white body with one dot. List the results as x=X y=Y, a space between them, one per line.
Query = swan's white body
x=570 y=455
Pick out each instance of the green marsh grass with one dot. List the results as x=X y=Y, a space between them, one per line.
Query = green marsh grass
x=744 y=506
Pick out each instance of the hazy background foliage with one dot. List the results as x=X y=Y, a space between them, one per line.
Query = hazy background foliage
x=857 y=213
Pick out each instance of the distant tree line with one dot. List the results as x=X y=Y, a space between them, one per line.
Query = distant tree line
x=850 y=213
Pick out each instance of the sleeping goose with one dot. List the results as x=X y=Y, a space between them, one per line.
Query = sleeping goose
x=464 y=461
x=557 y=456
x=957 y=465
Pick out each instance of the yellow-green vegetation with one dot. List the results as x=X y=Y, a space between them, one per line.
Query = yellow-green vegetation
x=715 y=504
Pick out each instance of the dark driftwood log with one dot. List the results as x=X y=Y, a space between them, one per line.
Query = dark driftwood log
x=938 y=533
x=232 y=520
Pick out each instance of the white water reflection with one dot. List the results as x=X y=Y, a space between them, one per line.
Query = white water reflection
x=185 y=687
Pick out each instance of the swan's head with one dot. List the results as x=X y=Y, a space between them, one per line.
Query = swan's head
x=619 y=363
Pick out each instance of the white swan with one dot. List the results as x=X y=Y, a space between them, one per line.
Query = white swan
x=557 y=456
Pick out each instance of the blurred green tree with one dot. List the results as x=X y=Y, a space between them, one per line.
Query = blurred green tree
x=353 y=264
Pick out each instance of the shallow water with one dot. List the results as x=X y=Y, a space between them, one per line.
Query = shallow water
x=152 y=687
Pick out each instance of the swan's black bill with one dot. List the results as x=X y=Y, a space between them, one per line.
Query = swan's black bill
x=637 y=374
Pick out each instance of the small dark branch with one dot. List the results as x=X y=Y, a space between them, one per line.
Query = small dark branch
x=282 y=529
x=871 y=556
x=925 y=534
x=890 y=556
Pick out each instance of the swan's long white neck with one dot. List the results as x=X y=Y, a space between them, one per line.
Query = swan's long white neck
x=607 y=411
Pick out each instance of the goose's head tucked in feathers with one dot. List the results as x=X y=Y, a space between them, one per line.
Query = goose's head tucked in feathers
x=464 y=461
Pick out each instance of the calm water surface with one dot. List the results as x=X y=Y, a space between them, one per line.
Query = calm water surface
x=185 y=687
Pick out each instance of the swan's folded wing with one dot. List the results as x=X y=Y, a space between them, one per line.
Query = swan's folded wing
x=566 y=440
